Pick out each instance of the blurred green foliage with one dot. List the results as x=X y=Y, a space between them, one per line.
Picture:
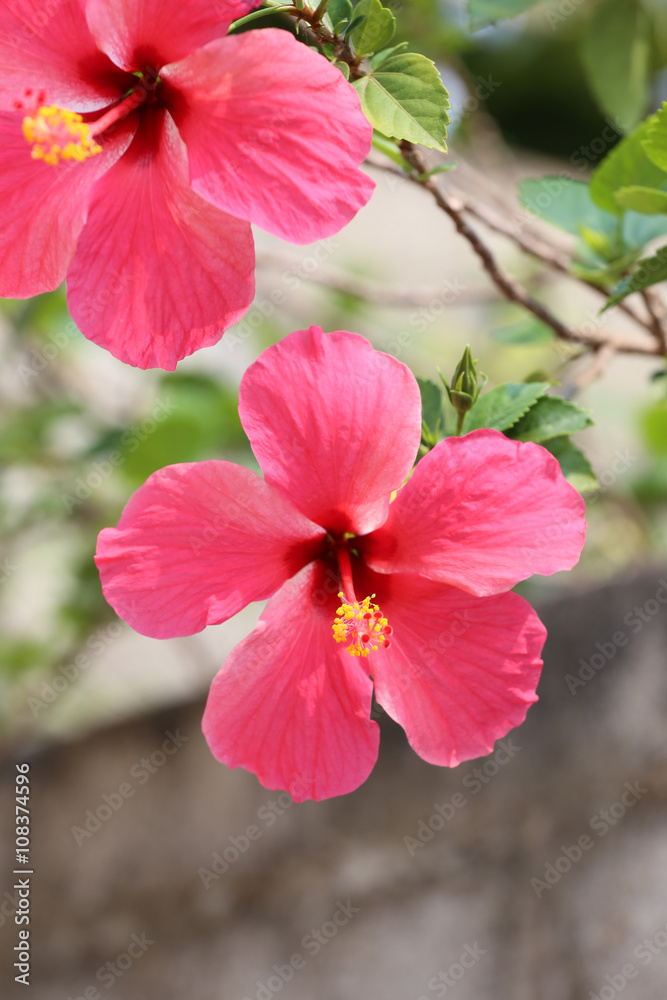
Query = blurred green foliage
x=79 y=432
x=70 y=457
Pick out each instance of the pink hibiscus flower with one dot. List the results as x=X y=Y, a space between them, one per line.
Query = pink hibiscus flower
x=136 y=147
x=407 y=598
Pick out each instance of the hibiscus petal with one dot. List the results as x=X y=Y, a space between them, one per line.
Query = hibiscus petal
x=196 y=543
x=334 y=424
x=461 y=670
x=156 y=32
x=48 y=47
x=43 y=208
x=275 y=134
x=482 y=512
x=289 y=705
x=159 y=272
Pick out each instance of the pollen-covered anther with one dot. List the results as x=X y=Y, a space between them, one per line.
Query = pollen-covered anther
x=56 y=134
x=362 y=625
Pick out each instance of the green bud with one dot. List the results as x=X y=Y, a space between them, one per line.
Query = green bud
x=461 y=401
x=465 y=376
x=465 y=387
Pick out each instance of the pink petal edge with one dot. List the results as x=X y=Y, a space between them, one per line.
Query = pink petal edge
x=277 y=138
x=334 y=424
x=158 y=32
x=198 y=542
x=159 y=272
x=43 y=208
x=461 y=670
x=291 y=706
x=482 y=512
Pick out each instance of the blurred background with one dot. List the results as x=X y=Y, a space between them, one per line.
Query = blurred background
x=79 y=432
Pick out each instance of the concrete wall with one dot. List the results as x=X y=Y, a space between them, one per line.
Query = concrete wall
x=330 y=901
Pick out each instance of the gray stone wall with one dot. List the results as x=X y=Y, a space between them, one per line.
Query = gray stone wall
x=537 y=873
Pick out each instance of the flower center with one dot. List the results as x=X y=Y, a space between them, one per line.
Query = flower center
x=362 y=625
x=56 y=134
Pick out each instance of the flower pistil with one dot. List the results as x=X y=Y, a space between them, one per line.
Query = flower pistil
x=362 y=625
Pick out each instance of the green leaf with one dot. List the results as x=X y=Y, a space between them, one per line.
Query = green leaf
x=489 y=11
x=549 y=418
x=638 y=230
x=273 y=9
x=655 y=143
x=615 y=54
x=574 y=465
x=526 y=331
x=650 y=487
x=567 y=204
x=627 y=165
x=405 y=98
x=431 y=404
x=654 y=427
x=340 y=12
x=599 y=243
x=650 y=271
x=501 y=407
x=650 y=201
x=607 y=274
x=375 y=31
x=382 y=56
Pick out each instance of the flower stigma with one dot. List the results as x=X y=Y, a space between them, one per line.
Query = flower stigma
x=56 y=134
x=362 y=625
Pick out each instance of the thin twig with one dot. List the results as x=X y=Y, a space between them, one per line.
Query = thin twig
x=656 y=310
x=529 y=243
x=602 y=358
x=510 y=288
x=548 y=255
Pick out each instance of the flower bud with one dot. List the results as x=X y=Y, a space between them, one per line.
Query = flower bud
x=465 y=387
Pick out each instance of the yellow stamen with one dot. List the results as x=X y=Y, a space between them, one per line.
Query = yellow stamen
x=362 y=625
x=56 y=134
